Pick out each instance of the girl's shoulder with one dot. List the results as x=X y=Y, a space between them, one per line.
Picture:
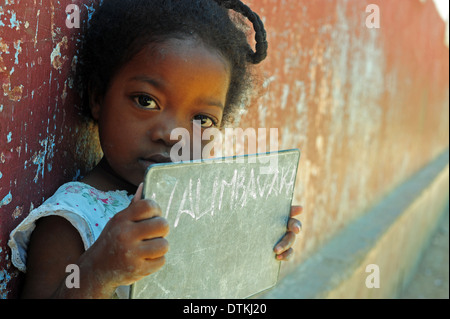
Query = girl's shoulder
x=86 y=197
x=85 y=207
x=95 y=206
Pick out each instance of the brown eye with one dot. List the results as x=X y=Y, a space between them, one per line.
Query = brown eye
x=145 y=102
x=205 y=121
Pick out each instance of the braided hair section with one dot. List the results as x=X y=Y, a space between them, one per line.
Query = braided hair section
x=260 y=54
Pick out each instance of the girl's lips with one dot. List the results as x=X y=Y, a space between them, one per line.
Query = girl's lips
x=155 y=159
x=158 y=158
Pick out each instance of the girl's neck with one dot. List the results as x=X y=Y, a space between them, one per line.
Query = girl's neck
x=105 y=179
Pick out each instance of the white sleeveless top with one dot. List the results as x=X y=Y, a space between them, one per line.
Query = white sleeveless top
x=85 y=207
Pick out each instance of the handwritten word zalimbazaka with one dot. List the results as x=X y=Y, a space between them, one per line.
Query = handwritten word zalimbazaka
x=237 y=190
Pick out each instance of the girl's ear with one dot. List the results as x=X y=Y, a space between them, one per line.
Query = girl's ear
x=94 y=102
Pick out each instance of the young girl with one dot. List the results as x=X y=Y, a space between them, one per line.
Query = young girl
x=148 y=67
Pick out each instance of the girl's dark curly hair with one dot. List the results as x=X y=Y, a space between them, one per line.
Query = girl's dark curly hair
x=119 y=29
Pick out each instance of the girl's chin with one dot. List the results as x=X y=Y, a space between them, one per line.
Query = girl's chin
x=145 y=163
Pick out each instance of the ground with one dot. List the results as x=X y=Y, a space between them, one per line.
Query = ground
x=431 y=280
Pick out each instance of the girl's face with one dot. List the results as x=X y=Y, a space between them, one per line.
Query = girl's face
x=162 y=88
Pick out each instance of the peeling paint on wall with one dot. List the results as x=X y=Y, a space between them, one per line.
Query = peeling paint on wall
x=5 y=277
x=6 y=200
x=55 y=58
x=40 y=126
x=46 y=154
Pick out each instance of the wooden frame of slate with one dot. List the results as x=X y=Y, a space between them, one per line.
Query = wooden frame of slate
x=226 y=215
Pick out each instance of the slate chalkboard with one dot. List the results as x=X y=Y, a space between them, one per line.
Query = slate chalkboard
x=226 y=215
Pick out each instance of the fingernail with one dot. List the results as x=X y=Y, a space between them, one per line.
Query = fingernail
x=299 y=226
x=278 y=249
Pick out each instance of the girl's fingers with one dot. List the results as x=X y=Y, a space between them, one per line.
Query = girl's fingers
x=296 y=210
x=283 y=248
x=154 y=248
x=286 y=255
x=138 y=195
x=285 y=243
x=151 y=228
x=143 y=209
x=150 y=266
x=294 y=225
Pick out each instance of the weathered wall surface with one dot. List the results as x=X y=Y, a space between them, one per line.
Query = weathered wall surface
x=42 y=140
x=367 y=107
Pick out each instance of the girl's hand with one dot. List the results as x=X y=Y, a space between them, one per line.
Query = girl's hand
x=131 y=246
x=283 y=249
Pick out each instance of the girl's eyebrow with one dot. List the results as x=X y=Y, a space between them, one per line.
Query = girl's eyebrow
x=142 y=78
x=215 y=103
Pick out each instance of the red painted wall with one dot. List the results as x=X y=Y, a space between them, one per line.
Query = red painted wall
x=43 y=142
x=367 y=107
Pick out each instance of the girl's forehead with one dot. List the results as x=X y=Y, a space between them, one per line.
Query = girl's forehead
x=187 y=50
x=180 y=69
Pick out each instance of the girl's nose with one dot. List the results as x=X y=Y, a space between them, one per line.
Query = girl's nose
x=161 y=131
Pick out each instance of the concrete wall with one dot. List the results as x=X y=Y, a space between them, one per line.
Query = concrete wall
x=368 y=107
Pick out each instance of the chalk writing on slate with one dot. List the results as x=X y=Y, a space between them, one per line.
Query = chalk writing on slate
x=225 y=218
